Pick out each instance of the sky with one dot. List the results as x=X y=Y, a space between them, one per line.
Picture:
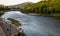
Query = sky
x=14 y=2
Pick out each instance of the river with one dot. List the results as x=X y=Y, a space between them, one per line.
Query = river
x=36 y=25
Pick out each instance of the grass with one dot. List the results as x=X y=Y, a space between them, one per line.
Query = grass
x=56 y=14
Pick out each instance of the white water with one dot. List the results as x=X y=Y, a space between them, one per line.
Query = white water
x=36 y=25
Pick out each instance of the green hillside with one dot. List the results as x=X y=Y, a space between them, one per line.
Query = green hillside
x=43 y=7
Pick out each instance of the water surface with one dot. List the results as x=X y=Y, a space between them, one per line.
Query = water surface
x=36 y=25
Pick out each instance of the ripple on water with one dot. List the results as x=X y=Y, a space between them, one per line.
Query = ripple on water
x=36 y=25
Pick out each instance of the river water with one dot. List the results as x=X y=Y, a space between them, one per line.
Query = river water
x=36 y=25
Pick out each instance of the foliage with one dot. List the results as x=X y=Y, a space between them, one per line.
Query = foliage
x=15 y=22
x=20 y=34
x=47 y=7
x=1 y=13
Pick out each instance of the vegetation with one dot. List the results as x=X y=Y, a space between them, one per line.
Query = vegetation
x=48 y=7
x=15 y=22
x=20 y=34
x=44 y=7
x=3 y=9
x=1 y=13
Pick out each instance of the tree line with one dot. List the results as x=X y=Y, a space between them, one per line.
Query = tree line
x=42 y=7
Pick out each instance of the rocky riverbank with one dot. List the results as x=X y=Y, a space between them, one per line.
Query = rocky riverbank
x=2 y=32
x=18 y=26
x=12 y=29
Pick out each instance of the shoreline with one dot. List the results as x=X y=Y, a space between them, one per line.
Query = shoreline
x=34 y=14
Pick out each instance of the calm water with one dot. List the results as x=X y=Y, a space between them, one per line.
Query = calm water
x=36 y=25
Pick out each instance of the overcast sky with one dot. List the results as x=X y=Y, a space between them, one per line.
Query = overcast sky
x=13 y=2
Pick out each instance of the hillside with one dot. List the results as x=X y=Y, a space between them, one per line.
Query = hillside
x=48 y=8
x=20 y=5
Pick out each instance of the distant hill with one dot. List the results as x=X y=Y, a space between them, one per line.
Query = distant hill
x=20 y=5
x=1 y=5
